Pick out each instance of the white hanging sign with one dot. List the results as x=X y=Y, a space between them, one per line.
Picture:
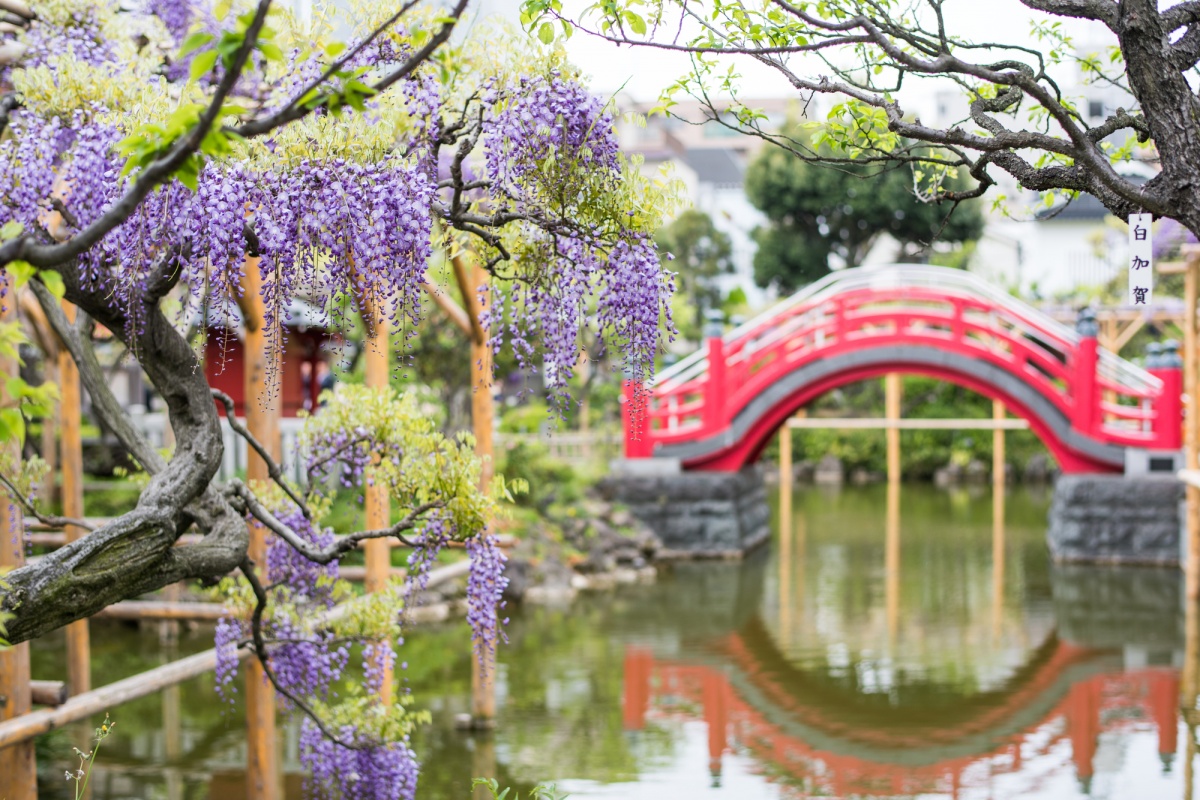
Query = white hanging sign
x=1141 y=267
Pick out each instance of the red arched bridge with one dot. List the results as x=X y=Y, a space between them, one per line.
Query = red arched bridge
x=718 y=408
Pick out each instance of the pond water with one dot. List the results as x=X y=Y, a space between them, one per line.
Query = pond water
x=863 y=654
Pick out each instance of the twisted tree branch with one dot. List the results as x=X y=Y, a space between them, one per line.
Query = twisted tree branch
x=273 y=469
x=241 y=495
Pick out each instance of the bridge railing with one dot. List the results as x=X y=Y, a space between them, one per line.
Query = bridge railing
x=1103 y=395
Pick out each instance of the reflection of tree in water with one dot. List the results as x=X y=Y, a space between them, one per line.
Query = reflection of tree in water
x=948 y=628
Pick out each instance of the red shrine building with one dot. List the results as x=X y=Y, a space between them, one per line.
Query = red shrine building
x=304 y=364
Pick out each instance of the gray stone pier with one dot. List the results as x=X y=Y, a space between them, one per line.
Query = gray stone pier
x=1116 y=519
x=696 y=514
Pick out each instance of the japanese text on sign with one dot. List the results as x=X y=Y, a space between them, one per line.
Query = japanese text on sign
x=1141 y=268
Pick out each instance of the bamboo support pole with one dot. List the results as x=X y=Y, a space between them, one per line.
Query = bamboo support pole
x=48 y=693
x=892 y=389
x=80 y=707
x=98 y=701
x=18 y=773
x=262 y=408
x=79 y=652
x=882 y=423
x=55 y=540
x=163 y=610
x=1192 y=432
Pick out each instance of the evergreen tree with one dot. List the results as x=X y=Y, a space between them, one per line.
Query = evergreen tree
x=816 y=211
x=701 y=252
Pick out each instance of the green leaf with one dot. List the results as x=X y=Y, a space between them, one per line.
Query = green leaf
x=636 y=23
x=221 y=9
x=189 y=173
x=54 y=282
x=202 y=64
x=270 y=51
x=194 y=42
x=546 y=33
x=12 y=424
x=335 y=49
x=20 y=272
x=10 y=230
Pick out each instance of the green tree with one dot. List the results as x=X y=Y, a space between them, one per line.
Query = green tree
x=816 y=211
x=1135 y=100
x=701 y=252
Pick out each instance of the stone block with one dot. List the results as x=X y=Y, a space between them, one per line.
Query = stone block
x=697 y=514
x=1115 y=519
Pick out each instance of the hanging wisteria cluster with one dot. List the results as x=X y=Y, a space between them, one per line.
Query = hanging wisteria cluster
x=500 y=151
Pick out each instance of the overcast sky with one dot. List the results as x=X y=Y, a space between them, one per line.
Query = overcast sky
x=645 y=72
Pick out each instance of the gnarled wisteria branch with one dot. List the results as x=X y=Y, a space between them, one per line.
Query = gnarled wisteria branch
x=263 y=654
x=241 y=495
x=50 y=520
x=315 y=466
x=273 y=468
x=885 y=46
x=91 y=374
x=294 y=111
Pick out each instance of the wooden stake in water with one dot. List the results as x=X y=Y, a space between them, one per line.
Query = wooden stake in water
x=892 y=561
x=998 y=482
x=18 y=773
x=785 y=530
x=785 y=479
x=262 y=411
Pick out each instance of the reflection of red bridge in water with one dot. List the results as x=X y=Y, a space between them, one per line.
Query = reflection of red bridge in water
x=716 y=409
x=831 y=760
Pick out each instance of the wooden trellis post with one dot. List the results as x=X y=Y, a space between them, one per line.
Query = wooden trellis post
x=262 y=409
x=471 y=277
x=18 y=773
x=892 y=392
x=79 y=656
x=469 y=319
x=1191 y=385
x=378 y=503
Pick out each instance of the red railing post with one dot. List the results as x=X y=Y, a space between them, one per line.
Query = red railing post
x=635 y=399
x=1086 y=415
x=958 y=328
x=1168 y=406
x=714 y=417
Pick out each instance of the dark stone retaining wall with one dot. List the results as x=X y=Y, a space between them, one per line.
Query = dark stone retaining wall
x=1116 y=520
x=697 y=514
